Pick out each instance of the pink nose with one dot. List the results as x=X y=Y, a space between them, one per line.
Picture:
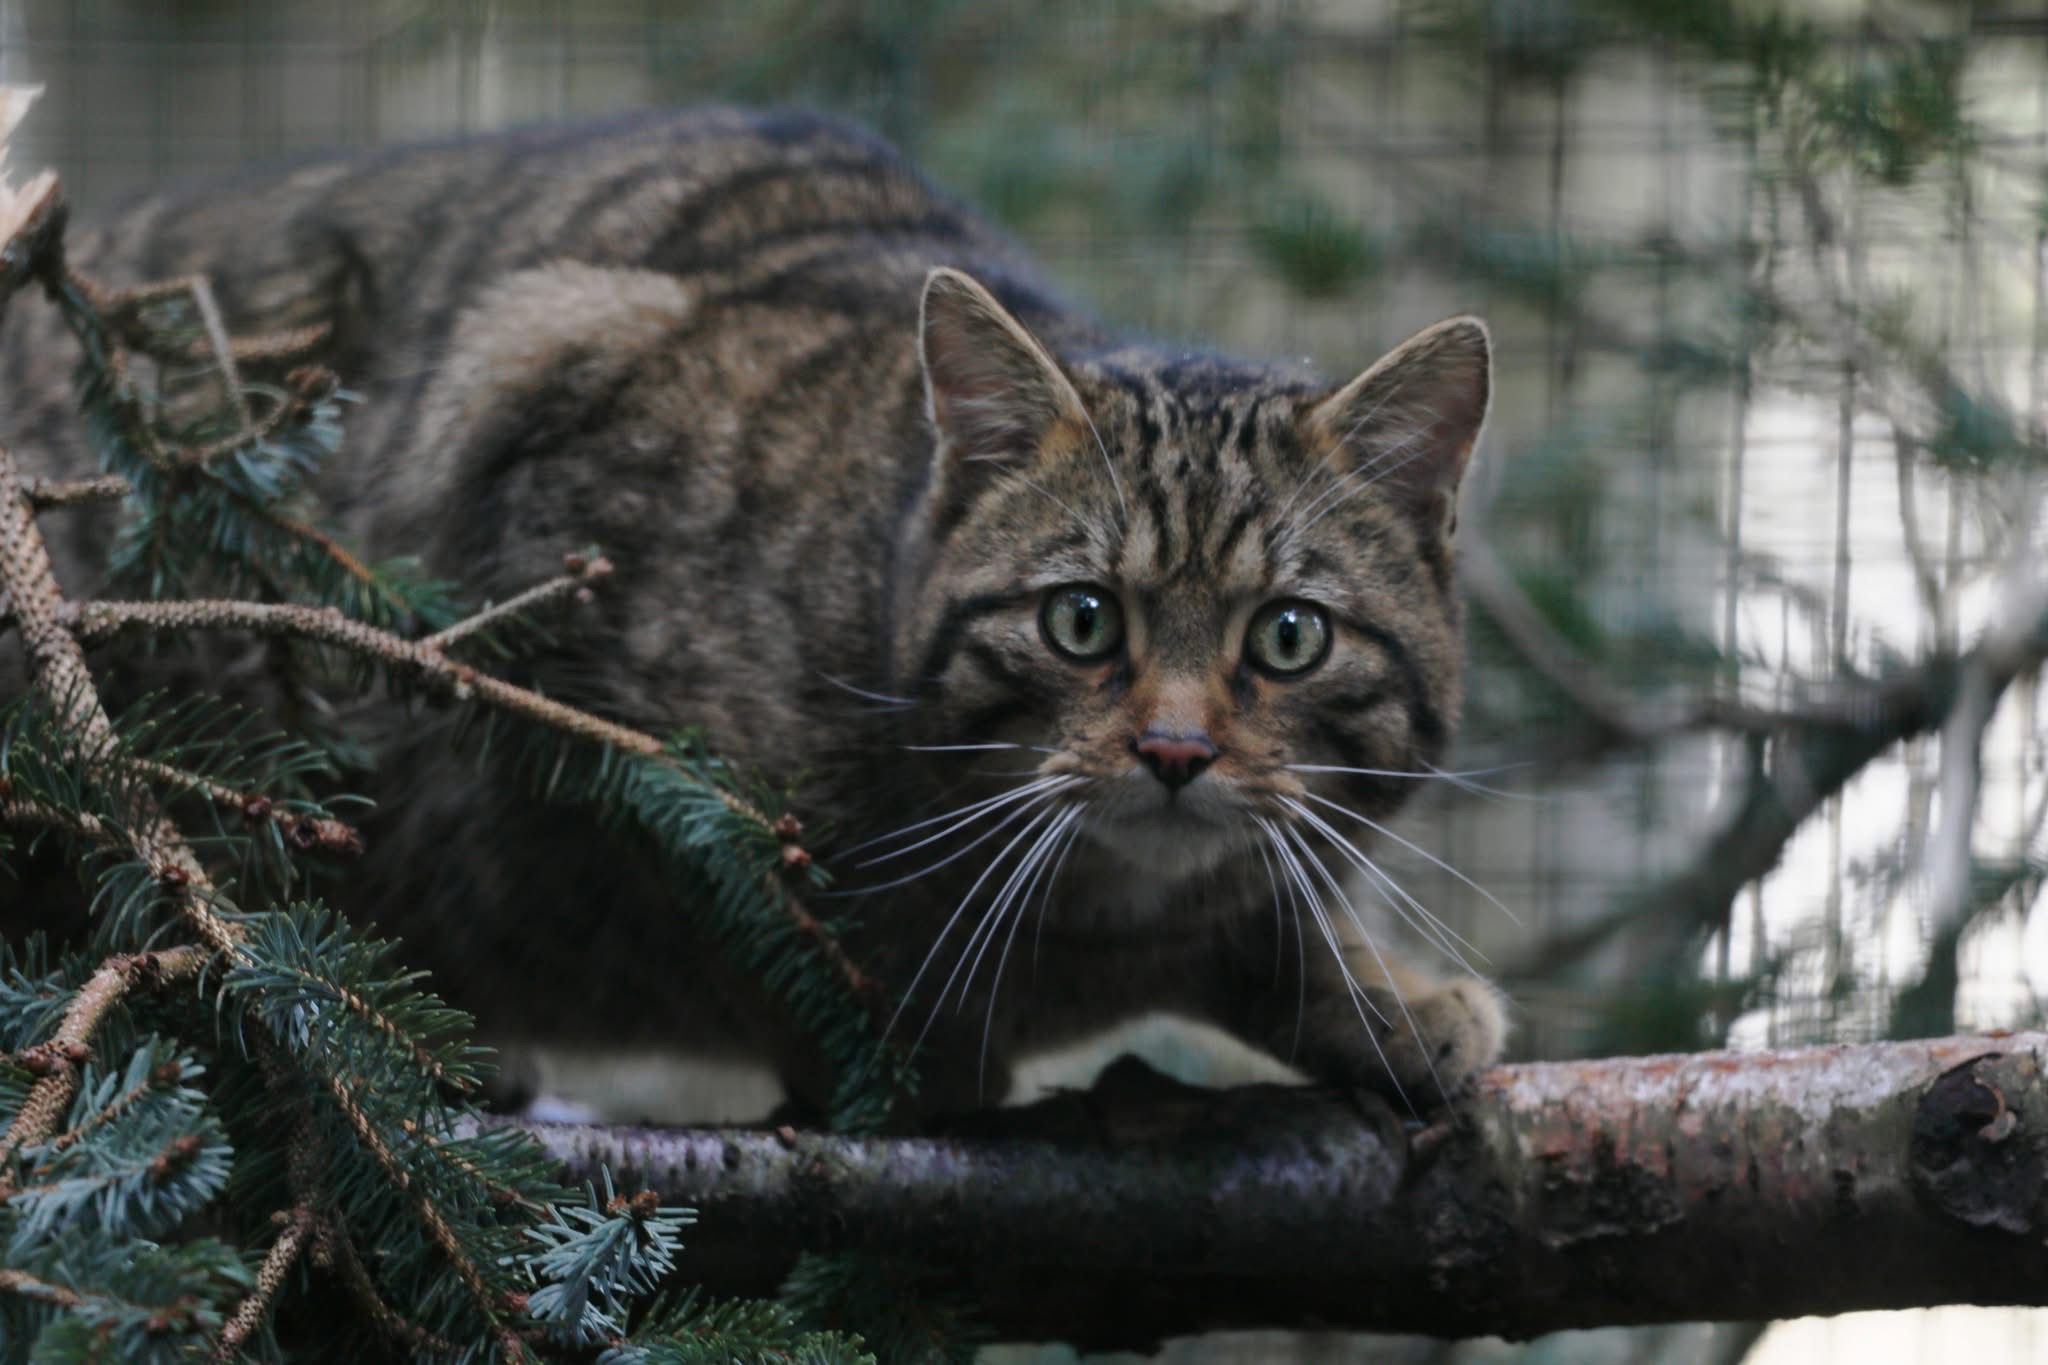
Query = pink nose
x=1175 y=760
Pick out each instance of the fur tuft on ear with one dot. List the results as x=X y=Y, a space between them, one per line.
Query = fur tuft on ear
x=1411 y=420
x=994 y=392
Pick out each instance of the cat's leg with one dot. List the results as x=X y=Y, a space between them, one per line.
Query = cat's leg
x=1368 y=1019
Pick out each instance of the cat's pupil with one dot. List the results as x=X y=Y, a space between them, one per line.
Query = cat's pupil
x=1290 y=635
x=1084 y=619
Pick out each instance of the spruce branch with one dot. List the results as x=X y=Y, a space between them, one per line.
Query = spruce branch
x=501 y=1193
x=225 y=496
x=149 y=1080
x=94 y=622
x=59 y=1057
x=57 y=665
x=309 y=832
x=297 y=1226
x=429 y=1215
x=165 y=471
x=333 y=1251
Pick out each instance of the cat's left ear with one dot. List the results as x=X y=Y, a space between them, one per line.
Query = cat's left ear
x=1409 y=423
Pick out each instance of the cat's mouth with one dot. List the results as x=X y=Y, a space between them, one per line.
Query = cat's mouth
x=1173 y=840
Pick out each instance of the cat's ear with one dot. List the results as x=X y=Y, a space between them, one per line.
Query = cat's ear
x=1409 y=423
x=994 y=392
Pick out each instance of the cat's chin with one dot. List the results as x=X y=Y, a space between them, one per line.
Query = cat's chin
x=1167 y=845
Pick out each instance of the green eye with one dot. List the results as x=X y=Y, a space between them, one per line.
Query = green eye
x=1287 y=639
x=1081 y=622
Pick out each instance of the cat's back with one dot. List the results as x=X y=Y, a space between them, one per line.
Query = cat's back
x=406 y=236
x=783 y=215
x=686 y=337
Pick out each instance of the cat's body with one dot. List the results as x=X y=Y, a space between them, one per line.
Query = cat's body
x=696 y=342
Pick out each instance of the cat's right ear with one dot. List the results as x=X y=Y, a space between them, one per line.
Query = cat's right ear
x=995 y=394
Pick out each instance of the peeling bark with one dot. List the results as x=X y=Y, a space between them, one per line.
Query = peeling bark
x=1636 y=1190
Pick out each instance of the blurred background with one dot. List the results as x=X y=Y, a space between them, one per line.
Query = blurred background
x=1766 y=453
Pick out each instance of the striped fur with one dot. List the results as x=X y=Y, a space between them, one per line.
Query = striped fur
x=838 y=486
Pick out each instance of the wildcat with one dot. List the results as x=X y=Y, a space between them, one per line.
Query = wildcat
x=1050 y=626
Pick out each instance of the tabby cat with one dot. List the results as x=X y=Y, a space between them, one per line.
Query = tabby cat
x=1093 y=654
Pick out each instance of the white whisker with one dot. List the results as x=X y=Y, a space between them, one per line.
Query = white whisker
x=1360 y=1001
x=1393 y=988
x=1355 y=428
x=1006 y=894
x=946 y=929
x=1441 y=935
x=1279 y=925
x=968 y=813
x=1413 y=847
x=1107 y=464
x=1337 y=485
x=1368 y=468
x=956 y=748
x=986 y=926
x=1045 y=492
x=1073 y=837
x=1459 y=781
x=958 y=853
x=1300 y=943
x=1048 y=844
x=1298 y=876
x=846 y=686
x=1444 y=773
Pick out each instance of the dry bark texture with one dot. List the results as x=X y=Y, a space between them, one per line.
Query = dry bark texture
x=1640 y=1190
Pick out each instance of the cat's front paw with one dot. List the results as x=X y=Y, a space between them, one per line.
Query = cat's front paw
x=1420 y=1047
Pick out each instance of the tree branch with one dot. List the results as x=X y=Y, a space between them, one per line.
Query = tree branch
x=1811 y=757
x=1663 y=1189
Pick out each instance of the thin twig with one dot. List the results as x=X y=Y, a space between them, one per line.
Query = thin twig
x=501 y=1192
x=280 y=414
x=37 y=815
x=277 y=1263
x=334 y=1251
x=120 y=1105
x=98 y=621
x=24 y=1285
x=581 y=574
x=46 y=494
x=1620 y=717
x=308 y=832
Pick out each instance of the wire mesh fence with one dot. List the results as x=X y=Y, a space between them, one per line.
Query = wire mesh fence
x=1713 y=466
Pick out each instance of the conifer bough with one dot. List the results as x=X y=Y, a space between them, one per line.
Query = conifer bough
x=1634 y=1190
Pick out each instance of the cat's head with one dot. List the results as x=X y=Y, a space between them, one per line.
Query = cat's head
x=1190 y=594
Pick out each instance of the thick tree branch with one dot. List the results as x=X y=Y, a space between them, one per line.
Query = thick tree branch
x=1712 y=1186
